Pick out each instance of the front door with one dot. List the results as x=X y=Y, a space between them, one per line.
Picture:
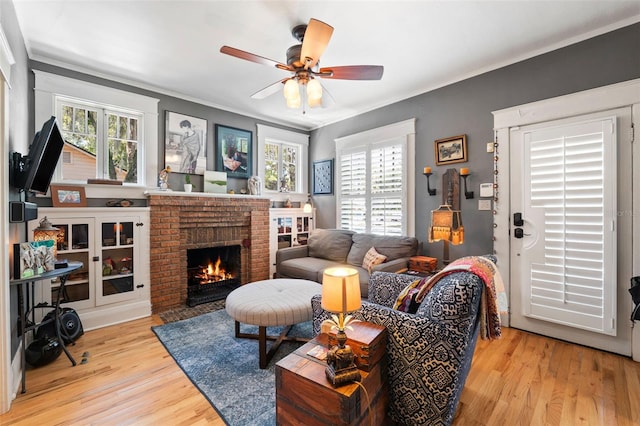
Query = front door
x=563 y=228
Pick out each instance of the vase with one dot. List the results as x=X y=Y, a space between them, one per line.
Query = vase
x=188 y=187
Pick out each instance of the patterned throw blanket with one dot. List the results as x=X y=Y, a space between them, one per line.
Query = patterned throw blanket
x=493 y=299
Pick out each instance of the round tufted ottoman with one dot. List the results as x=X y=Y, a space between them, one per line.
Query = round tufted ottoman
x=267 y=303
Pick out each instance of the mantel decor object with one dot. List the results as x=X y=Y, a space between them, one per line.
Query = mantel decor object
x=234 y=151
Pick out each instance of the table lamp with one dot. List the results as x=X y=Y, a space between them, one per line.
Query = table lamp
x=446 y=225
x=340 y=295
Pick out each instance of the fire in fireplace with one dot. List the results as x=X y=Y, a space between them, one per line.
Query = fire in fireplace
x=212 y=273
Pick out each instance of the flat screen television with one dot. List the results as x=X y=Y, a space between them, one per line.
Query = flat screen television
x=35 y=171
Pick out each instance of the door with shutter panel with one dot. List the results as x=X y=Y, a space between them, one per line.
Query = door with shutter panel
x=563 y=184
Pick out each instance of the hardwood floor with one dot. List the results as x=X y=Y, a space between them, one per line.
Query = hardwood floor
x=521 y=379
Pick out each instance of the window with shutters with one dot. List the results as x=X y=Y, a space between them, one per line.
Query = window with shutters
x=373 y=181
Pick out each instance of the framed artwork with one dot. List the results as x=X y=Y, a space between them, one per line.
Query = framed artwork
x=215 y=182
x=33 y=258
x=68 y=196
x=234 y=151
x=323 y=177
x=185 y=142
x=451 y=150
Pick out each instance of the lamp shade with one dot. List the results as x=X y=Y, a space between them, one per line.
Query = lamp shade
x=292 y=93
x=314 y=93
x=341 y=290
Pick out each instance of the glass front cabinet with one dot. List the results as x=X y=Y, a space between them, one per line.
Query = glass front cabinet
x=113 y=245
x=289 y=227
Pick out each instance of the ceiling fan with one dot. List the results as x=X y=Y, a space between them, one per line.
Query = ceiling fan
x=303 y=63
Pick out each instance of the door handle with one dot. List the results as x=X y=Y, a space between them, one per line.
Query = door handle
x=518 y=233
x=517 y=220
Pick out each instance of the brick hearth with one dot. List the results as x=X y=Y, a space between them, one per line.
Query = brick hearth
x=180 y=222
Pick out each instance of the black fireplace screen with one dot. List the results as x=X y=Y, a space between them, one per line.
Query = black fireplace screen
x=212 y=273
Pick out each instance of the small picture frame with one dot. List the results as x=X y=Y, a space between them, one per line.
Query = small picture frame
x=215 y=182
x=323 y=177
x=68 y=196
x=234 y=151
x=185 y=143
x=33 y=258
x=451 y=150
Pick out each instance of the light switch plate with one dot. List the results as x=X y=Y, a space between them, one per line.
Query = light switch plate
x=486 y=190
x=489 y=146
x=484 y=204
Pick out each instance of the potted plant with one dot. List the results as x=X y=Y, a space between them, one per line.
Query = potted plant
x=187 y=183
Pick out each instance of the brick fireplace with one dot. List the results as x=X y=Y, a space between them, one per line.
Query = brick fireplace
x=180 y=222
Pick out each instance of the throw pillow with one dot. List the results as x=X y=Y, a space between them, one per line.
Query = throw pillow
x=406 y=301
x=372 y=258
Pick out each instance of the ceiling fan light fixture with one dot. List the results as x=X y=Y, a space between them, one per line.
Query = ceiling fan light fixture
x=292 y=93
x=314 y=93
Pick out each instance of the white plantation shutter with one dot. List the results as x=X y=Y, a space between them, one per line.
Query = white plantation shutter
x=387 y=167
x=371 y=188
x=572 y=192
x=353 y=191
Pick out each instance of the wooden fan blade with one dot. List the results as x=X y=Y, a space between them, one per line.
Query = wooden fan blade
x=316 y=39
x=228 y=50
x=269 y=90
x=352 y=72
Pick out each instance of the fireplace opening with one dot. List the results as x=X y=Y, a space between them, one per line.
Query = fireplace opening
x=212 y=273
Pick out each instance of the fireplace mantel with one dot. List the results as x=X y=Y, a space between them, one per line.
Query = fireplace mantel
x=181 y=221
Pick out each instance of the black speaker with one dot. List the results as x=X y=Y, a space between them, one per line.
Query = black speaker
x=22 y=211
x=70 y=326
x=42 y=351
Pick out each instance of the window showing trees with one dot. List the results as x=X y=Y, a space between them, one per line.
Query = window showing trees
x=281 y=167
x=101 y=143
x=283 y=159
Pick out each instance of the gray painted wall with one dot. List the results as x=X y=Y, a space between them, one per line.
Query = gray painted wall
x=465 y=108
x=20 y=134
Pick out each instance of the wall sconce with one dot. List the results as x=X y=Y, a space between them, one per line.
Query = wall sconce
x=427 y=173
x=464 y=172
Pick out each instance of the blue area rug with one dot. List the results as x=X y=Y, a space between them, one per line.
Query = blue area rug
x=225 y=369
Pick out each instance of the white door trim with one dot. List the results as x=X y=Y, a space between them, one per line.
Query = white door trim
x=589 y=101
x=7 y=389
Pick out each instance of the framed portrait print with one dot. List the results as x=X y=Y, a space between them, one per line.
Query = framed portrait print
x=68 y=196
x=185 y=142
x=234 y=151
x=323 y=177
x=451 y=150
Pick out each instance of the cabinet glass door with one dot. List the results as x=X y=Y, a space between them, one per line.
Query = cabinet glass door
x=117 y=240
x=303 y=230
x=284 y=231
x=73 y=246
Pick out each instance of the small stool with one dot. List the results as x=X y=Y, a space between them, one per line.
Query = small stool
x=269 y=303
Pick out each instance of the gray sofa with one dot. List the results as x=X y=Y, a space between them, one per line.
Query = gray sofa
x=327 y=248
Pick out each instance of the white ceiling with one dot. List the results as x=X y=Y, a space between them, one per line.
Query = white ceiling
x=173 y=46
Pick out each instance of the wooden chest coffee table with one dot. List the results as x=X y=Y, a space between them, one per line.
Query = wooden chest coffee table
x=304 y=396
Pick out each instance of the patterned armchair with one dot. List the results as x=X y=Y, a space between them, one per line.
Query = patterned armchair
x=429 y=352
